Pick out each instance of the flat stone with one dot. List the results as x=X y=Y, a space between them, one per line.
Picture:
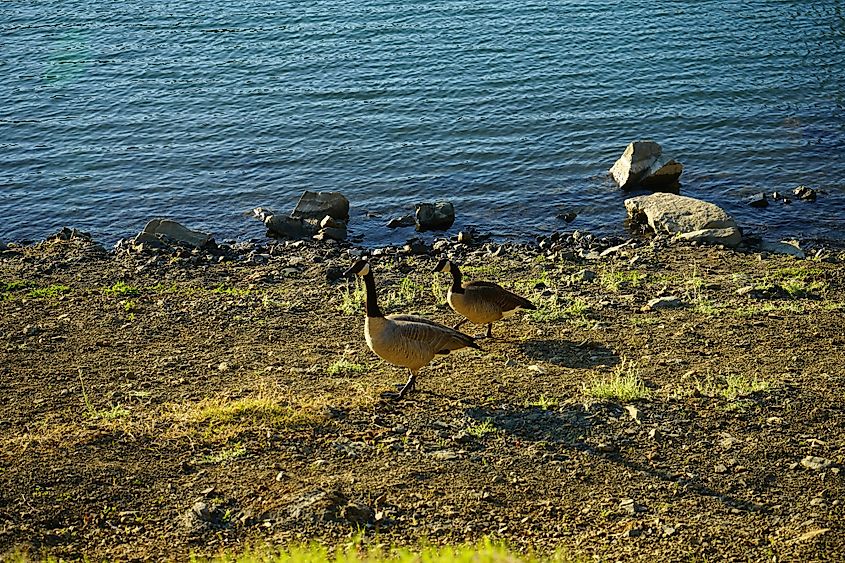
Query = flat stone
x=815 y=463
x=782 y=248
x=165 y=230
x=316 y=205
x=670 y=302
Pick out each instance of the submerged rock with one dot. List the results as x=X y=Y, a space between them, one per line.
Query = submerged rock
x=675 y=214
x=403 y=221
x=758 y=200
x=643 y=164
x=438 y=216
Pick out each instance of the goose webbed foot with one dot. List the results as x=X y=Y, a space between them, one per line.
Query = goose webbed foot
x=402 y=389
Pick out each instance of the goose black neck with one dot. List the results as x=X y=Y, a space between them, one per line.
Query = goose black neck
x=457 y=287
x=372 y=300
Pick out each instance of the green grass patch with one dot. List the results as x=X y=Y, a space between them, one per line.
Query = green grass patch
x=122 y=289
x=51 y=291
x=614 y=280
x=544 y=402
x=479 y=429
x=623 y=385
x=344 y=367
x=352 y=298
x=13 y=286
x=731 y=387
x=232 y=291
x=224 y=455
x=552 y=309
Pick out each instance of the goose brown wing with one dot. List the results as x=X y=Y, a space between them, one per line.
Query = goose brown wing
x=440 y=337
x=494 y=293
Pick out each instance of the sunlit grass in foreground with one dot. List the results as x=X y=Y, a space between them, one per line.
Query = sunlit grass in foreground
x=485 y=551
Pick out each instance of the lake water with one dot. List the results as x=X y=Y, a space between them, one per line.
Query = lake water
x=117 y=112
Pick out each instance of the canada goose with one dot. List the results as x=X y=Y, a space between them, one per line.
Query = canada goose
x=405 y=340
x=480 y=302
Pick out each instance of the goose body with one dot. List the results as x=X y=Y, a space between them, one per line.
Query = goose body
x=408 y=341
x=481 y=302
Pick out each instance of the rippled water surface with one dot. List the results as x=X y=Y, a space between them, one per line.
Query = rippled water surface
x=117 y=112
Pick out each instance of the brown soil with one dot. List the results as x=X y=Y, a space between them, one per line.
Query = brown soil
x=201 y=406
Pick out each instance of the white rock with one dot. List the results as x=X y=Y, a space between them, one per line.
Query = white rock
x=643 y=163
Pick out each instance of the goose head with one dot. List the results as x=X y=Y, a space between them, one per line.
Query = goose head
x=360 y=268
x=444 y=266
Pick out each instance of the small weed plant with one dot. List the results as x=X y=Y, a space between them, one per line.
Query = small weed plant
x=623 y=385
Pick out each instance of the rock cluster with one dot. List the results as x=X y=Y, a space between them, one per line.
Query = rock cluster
x=318 y=215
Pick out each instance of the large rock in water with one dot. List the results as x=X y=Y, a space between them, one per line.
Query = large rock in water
x=643 y=164
x=691 y=218
x=437 y=216
x=316 y=205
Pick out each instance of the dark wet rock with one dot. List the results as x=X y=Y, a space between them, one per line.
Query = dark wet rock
x=567 y=215
x=331 y=233
x=758 y=200
x=466 y=237
x=403 y=221
x=164 y=232
x=416 y=246
x=334 y=273
x=316 y=205
x=643 y=165
x=3 y=246
x=438 y=216
x=805 y=193
x=70 y=234
x=692 y=218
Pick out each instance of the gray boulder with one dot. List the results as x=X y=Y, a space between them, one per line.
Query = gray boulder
x=643 y=165
x=691 y=218
x=438 y=216
x=160 y=232
x=316 y=205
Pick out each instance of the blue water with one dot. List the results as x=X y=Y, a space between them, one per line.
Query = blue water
x=117 y=112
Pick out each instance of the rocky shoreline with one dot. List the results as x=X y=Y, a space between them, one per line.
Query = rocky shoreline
x=161 y=399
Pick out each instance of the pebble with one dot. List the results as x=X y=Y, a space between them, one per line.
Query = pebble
x=31 y=330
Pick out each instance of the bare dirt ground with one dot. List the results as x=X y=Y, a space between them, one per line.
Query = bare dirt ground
x=153 y=406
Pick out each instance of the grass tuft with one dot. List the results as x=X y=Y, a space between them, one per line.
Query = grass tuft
x=623 y=385
x=122 y=289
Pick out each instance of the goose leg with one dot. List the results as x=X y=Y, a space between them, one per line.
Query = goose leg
x=489 y=330
x=457 y=326
x=409 y=386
